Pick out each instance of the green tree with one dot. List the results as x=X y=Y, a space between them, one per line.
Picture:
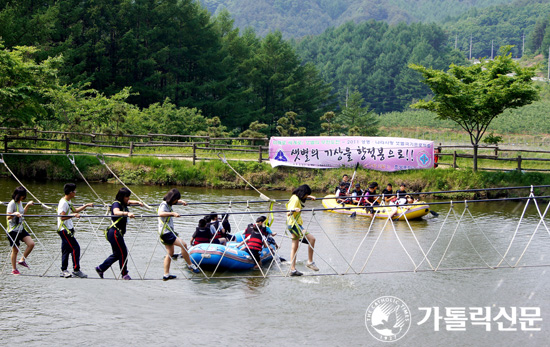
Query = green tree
x=329 y=125
x=473 y=96
x=288 y=125
x=256 y=129
x=24 y=85
x=356 y=118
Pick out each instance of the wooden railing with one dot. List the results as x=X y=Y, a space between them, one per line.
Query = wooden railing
x=496 y=154
x=33 y=140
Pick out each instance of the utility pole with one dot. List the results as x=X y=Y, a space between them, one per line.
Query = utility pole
x=492 y=49
x=523 y=46
x=456 y=41
x=549 y=63
x=470 y=46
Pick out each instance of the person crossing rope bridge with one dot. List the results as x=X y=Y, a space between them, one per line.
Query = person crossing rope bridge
x=168 y=235
x=16 y=231
x=65 y=229
x=116 y=231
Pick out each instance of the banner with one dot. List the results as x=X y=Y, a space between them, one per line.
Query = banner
x=374 y=153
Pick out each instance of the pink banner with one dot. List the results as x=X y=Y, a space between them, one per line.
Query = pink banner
x=374 y=153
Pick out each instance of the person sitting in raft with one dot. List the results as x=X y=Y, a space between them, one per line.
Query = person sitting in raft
x=342 y=193
x=253 y=243
x=268 y=234
x=227 y=227
x=116 y=231
x=203 y=234
x=16 y=231
x=217 y=229
x=401 y=192
x=357 y=195
x=371 y=199
x=345 y=179
x=294 y=224
x=66 y=231
x=168 y=236
x=388 y=194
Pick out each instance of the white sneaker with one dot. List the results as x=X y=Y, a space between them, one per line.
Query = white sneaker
x=193 y=268
x=312 y=266
x=79 y=274
x=65 y=274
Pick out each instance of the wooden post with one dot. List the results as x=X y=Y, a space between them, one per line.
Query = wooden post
x=67 y=144
x=131 y=148
x=5 y=143
x=519 y=162
x=496 y=151
x=260 y=154
x=194 y=153
x=454 y=160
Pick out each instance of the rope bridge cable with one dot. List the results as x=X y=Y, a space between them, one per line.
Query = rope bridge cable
x=22 y=185
x=102 y=161
x=335 y=197
x=73 y=162
x=313 y=209
x=426 y=254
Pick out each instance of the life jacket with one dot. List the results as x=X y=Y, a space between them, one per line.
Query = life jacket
x=203 y=235
x=343 y=192
x=255 y=242
x=219 y=232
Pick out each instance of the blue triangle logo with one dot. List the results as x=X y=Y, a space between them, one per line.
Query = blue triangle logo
x=280 y=156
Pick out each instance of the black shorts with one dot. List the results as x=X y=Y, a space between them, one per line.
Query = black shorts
x=16 y=237
x=169 y=238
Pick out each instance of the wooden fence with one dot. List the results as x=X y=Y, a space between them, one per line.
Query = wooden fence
x=496 y=153
x=32 y=140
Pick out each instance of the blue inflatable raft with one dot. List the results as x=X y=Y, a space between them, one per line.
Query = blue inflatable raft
x=207 y=256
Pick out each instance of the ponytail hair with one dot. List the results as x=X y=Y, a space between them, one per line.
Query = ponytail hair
x=123 y=193
x=302 y=192
x=173 y=194
x=18 y=193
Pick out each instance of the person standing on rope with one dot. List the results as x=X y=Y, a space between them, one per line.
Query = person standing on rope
x=167 y=234
x=115 y=233
x=66 y=231
x=294 y=224
x=16 y=230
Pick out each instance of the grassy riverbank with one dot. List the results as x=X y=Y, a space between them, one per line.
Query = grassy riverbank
x=215 y=174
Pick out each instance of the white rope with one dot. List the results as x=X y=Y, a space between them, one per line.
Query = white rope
x=22 y=185
x=437 y=237
x=541 y=221
x=399 y=240
x=451 y=239
x=418 y=244
x=324 y=232
x=84 y=178
x=531 y=195
x=361 y=243
x=102 y=161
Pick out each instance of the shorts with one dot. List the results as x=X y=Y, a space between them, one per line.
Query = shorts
x=297 y=232
x=168 y=238
x=16 y=237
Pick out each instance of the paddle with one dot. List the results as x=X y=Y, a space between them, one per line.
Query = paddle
x=352 y=178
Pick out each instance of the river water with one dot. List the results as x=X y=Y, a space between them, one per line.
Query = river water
x=327 y=310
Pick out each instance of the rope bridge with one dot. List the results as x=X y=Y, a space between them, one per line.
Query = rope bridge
x=339 y=252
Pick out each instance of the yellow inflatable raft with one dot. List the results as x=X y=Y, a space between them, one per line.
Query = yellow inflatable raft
x=409 y=212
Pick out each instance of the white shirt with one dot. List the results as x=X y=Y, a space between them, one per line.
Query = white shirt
x=15 y=224
x=64 y=207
